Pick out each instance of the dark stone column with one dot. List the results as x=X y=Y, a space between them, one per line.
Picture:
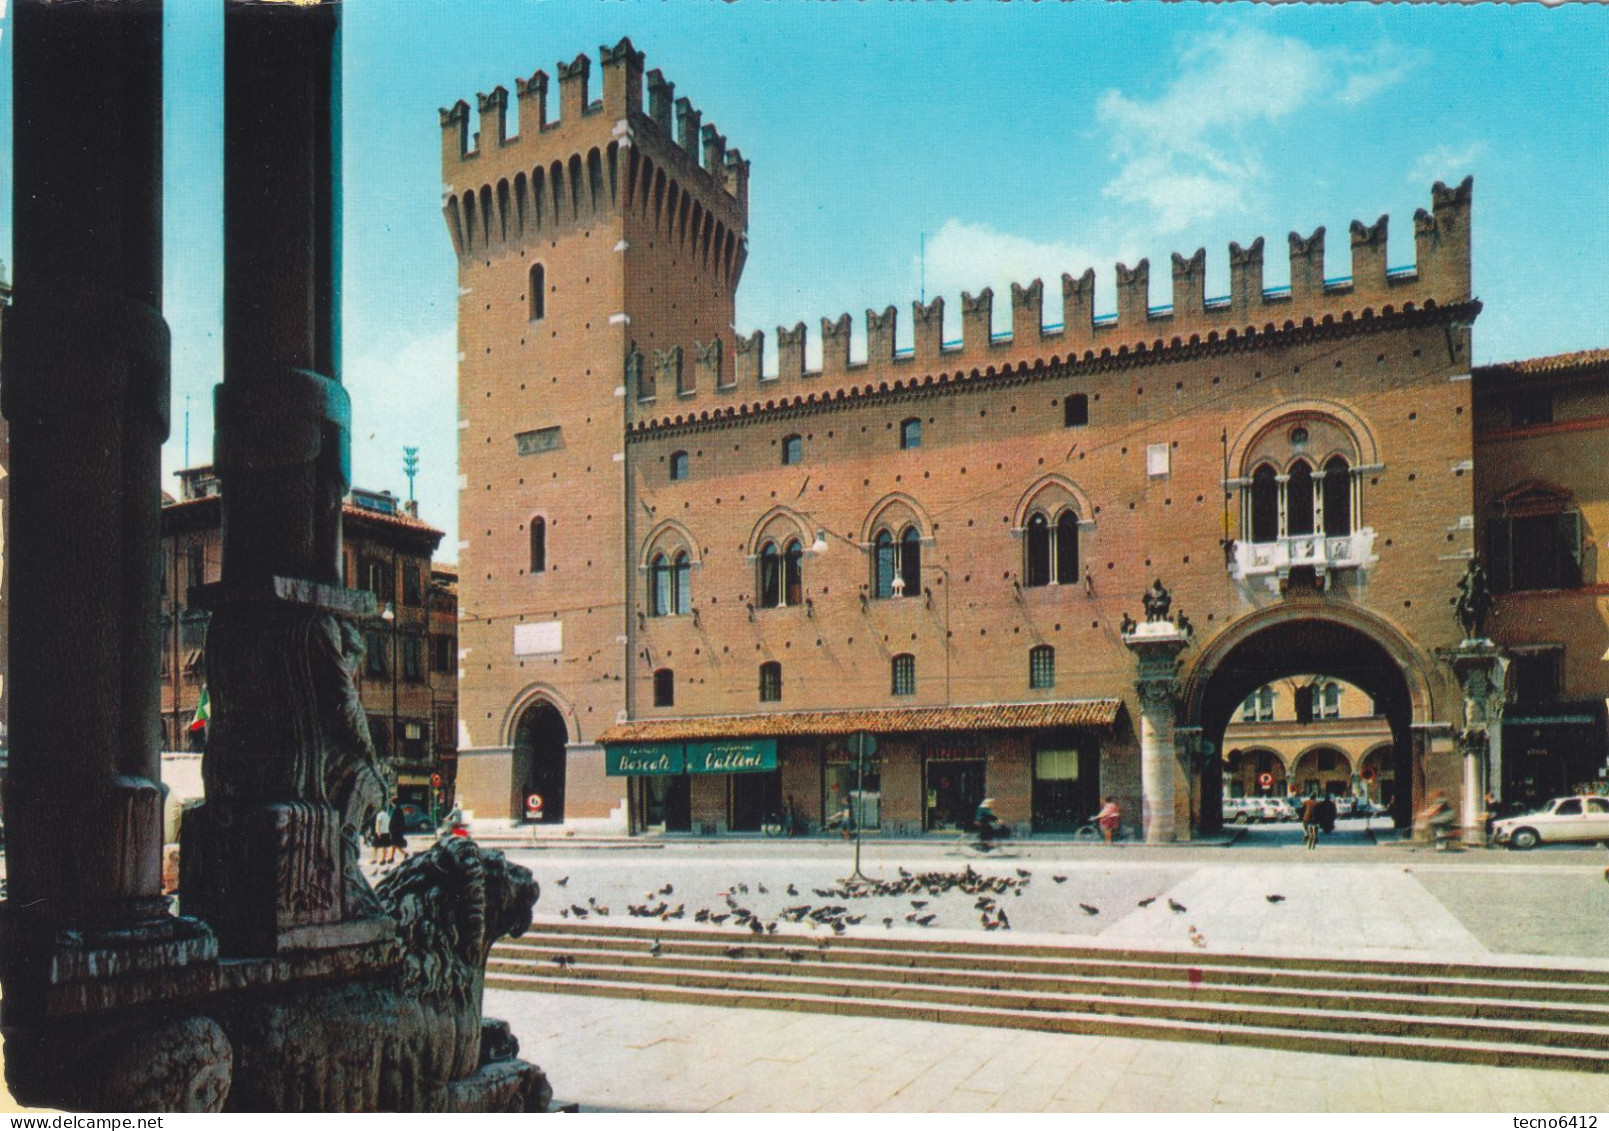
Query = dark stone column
x=270 y=859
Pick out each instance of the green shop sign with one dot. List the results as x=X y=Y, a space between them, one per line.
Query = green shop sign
x=644 y=758
x=734 y=756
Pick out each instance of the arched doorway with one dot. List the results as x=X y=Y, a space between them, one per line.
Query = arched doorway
x=539 y=762
x=1319 y=640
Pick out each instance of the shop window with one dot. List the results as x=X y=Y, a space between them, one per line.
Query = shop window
x=1075 y=410
x=903 y=669
x=539 y=545
x=771 y=682
x=792 y=449
x=910 y=433
x=664 y=688
x=678 y=466
x=1042 y=667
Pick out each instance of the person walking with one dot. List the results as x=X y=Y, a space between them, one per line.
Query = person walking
x=380 y=835
x=398 y=839
x=1310 y=823
x=1108 y=819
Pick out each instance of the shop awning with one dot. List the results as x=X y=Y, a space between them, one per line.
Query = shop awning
x=1062 y=713
x=655 y=759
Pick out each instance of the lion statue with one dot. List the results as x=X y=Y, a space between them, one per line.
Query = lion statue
x=451 y=902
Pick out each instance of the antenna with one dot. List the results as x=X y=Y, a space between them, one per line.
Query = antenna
x=187 y=430
x=410 y=466
x=924 y=268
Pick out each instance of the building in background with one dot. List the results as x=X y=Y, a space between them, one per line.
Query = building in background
x=1309 y=736
x=408 y=680
x=693 y=575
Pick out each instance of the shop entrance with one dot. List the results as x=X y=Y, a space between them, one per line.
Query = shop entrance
x=539 y=764
x=664 y=803
x=954 y=789
x=846 y=789
x=1066 y=788
x=751 y=798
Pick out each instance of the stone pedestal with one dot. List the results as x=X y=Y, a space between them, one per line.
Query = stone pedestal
x=1482 y=672
x=1156 y=646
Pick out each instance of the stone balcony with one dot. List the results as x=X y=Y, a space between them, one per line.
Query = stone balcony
x=1321 y=552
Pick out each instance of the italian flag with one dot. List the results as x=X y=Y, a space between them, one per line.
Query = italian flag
x=203 y=712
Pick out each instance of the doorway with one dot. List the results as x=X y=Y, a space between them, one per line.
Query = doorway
x=751 y=798
x=1065 y=790
x=540 y=741
x=664 y=804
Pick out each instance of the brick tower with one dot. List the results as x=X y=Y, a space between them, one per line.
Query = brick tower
x=596 y=251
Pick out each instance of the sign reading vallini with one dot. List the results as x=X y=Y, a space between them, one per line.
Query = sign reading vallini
x=729 y=756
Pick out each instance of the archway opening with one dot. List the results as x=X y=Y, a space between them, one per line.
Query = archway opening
x=1312 y=648
x=540 y=739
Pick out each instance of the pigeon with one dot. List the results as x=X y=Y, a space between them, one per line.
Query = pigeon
x=837 y=926
x=563 y=960
x=1147 y=901
x=564 y=913
x=654 y=948
x=1005 y=923
x=578 y=911
x=888 y=921
x=1176 y=907
x=724 y=918
x=762 y=889
x=988 y=923
x=733 y=952
x=1088 y=910
x=667 y=890
x=796 y=956
x=563 y=881
x=1275 y=898
x=681 y=910
x=1059 y=879
x=1024 y=873
x=919 y=903
x=771 y=927
x=702 y=915
x=792 y=890
x=926 y=920
x=756 y=927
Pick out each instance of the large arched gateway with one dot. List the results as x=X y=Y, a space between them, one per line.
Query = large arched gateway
x=1325 y=639
x=540 y=738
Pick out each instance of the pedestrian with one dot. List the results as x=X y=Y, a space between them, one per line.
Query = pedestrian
x=1326 y=814
x=1108 y=819
x=380 y=835
x=398 y=840
x=1310 y=823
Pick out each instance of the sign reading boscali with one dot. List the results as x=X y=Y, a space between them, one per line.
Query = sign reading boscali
x=729 y=756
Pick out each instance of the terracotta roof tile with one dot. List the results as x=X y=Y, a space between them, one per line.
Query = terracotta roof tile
x=896 y=720
x=1553 y=363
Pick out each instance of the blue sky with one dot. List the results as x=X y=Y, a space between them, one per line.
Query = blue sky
x=1019 y=140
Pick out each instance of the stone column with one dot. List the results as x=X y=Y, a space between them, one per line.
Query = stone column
x=1482 y=672
x=270 y=859
x=1156 y=645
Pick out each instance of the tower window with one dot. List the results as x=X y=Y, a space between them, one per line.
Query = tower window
x=538 y=292
x=539 y=545
x=664 y=688
x=1075 y=410
x=792 y=449
x=678 y=466
x=1042 y=667
x=771 y=682
x=1051 y=551
x=910 y=433
x=897 y=566
x=903 y=674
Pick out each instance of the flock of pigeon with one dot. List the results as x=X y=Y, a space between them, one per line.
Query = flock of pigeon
x=834 y=913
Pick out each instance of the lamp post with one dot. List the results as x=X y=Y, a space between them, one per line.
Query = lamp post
x=389 y=615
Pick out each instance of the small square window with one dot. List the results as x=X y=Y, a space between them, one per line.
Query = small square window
x=1042 y=667
x=792 y=450
x=904 y=675
x=910 y=434
x=1156 y=459
x=771 y=682
x=664 y=688
x=1075 y=410
x=678 y=466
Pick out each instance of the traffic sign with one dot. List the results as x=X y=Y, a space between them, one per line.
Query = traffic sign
x=533 y=804
x=435 y=780
x=1266 y=780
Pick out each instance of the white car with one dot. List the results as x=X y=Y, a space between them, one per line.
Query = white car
x=1243 y=810
x=1562 y=819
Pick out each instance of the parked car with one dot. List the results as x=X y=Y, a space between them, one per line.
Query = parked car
x=415 y=819
x=1243 y=810
x=1280 y=809
x=1562 y=819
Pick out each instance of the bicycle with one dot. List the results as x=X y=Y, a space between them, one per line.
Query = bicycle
x=1091 y=832
x=773 y=825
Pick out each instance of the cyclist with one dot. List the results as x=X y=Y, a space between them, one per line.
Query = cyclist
x=987 y=825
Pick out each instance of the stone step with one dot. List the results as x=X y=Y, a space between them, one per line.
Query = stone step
x=1517 y=983
x=1575 y=978
x=1218 y=986
x=1401 y=1019
x=1493 y=1051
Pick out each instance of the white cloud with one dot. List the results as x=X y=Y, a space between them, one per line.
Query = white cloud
x=967 y=257
x=1193 y=151
x=1446 y=163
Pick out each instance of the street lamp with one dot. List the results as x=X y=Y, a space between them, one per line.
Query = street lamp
x=389 y=615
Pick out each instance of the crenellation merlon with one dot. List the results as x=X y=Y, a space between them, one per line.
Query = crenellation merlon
x=622 y=80
x=661 y=101
x=688 y=121
x=494 y=111
x=532 y=97
x=573 y=77
x=1440 y=277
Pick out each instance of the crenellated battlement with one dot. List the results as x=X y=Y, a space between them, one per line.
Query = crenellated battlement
x=1440 y=276
x=509 y=178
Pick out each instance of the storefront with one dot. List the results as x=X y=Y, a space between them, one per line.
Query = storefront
x=1553 y=751
x=898 y=772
